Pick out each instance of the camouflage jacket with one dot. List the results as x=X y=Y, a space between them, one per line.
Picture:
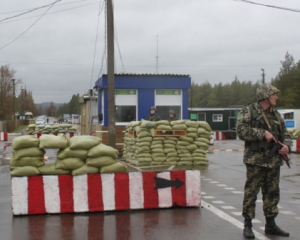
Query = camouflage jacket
x=153 y=118
x=247 y=133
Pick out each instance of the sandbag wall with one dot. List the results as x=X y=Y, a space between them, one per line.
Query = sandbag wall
x=77 y=155
x=159 y=143
x=50 y=128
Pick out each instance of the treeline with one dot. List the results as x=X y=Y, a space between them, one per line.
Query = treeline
x=240 y=93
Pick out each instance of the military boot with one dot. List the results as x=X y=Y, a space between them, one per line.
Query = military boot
x=248 y=233
x=272 y=229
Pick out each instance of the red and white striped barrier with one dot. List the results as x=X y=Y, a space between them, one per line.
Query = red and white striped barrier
x=68 y=135
x=218 y=135
x=296 y=145
x=3 y=136
x=105 y=192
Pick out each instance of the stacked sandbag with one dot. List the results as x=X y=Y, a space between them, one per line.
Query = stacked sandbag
x=26 y=156
x=130 y=142
x=294 y=133
x=50 y=128
x=167 y=150
x=73 y=156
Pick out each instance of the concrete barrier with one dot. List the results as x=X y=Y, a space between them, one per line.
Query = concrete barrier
x=218 y=135
x=105 y=192
x=296 y=146
x=3 y=136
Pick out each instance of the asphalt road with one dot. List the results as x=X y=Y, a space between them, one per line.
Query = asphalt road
x=219 y=216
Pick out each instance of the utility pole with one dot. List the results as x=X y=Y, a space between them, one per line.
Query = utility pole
x=14 y=99
x=111 y=75
x=263 y=76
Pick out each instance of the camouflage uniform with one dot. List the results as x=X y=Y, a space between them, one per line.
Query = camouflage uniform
x=153 y=117
x=174 y=116
x=262 y=171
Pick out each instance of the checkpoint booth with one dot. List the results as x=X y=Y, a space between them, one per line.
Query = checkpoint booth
x=135 y=94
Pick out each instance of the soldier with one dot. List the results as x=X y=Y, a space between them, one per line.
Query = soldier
x=153 y=115
x=254 y=124
x=172 y=116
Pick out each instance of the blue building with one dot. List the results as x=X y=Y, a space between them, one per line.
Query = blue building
x=136 y=93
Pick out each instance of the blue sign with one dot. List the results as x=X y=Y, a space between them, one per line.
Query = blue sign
x=290 y=123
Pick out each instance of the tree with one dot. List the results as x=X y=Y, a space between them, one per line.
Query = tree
x=6 y=92
x=51 y=110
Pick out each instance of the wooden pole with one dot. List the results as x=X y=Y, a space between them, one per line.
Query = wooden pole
x=110 y=75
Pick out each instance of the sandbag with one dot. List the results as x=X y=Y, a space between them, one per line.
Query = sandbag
x=147 y=124
x=160 y=142
x=85 y=169
x=179 y=147
x=192 y=147
x=143 y=149
x=191 y=124
x=192 y=129
x=169 y=145
x=200 y=163
x=142 y=144
x=192 y=135
x=179 y=127
x=144 y=134
x=158 y=138
x=84 y=142
x=72 y=153
x=181 y=155
x=28 y=152
x=187 y=139
x=201 y=144
x=162 y=122
x=26 y=141
x=170 y=150
x=24 y=171
x=182 y=143
x=170 y=163
x=144 y=139
x=100 y=161
x=116 y=167
x=159 y=159
x=184 y=163
x=157 y=150
x=172 y=159
x=103 y=150
x=172 y=154
x=182 y=151
x=145 y=159
x=172 y=138
x=157 y=146
x=27 y=161
x=49 y=169
x=205 y=140
x=69 y=163
x=170 y=142
x=144 y=155
x=161 y=154
x=203 y=158
x=164 y=127
x=204 y=125
x=199 y=151
x=176 y=122
x=52 y=141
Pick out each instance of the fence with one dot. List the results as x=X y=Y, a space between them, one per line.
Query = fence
x=11 y=125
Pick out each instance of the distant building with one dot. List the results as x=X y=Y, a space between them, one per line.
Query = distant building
x=136 y=93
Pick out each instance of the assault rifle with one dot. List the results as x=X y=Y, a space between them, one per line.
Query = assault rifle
x=276 y=147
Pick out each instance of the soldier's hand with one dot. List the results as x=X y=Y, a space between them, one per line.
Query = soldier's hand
x=269 y=136
x=284 y=150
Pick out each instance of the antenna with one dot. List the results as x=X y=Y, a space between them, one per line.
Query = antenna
x=157 y=55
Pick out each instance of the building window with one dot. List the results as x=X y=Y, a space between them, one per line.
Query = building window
x=125 y=113
x=217 y=117
x=163 y=111
x=201 y=117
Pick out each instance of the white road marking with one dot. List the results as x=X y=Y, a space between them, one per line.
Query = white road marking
x=298 y=218
x=214 y=182
x=279 y=206
x=218 y=202
x=207 y=179
x=203 y=193
x=287 y=212
x=259 y=201
x=228 y=207
x=230 y=219
x=237 y=192
x=237 y=213
x=229 y=188
x=222 y=185
x=208 y=197
x=262 y=228
x=255 y=221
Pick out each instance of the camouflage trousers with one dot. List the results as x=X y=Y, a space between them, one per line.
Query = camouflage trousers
x=266 y=179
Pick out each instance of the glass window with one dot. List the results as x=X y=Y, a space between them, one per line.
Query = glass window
x=217 y=117
x=163 y=111
x=201 y=117
x=125 y=113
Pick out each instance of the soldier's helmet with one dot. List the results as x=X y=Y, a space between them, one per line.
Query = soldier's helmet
x=172 y=112
x=265 y=91
x=153 y=108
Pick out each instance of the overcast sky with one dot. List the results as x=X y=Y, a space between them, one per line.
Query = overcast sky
x=210 y=40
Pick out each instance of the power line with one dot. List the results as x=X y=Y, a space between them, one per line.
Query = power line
x=271 y=6
x=105 y=42
x=29 y=27
x=51 y=4
x=31 y=8
x=119 y=50
x=51 y=12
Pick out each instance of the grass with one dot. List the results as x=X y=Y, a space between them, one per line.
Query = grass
x=19 y=129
